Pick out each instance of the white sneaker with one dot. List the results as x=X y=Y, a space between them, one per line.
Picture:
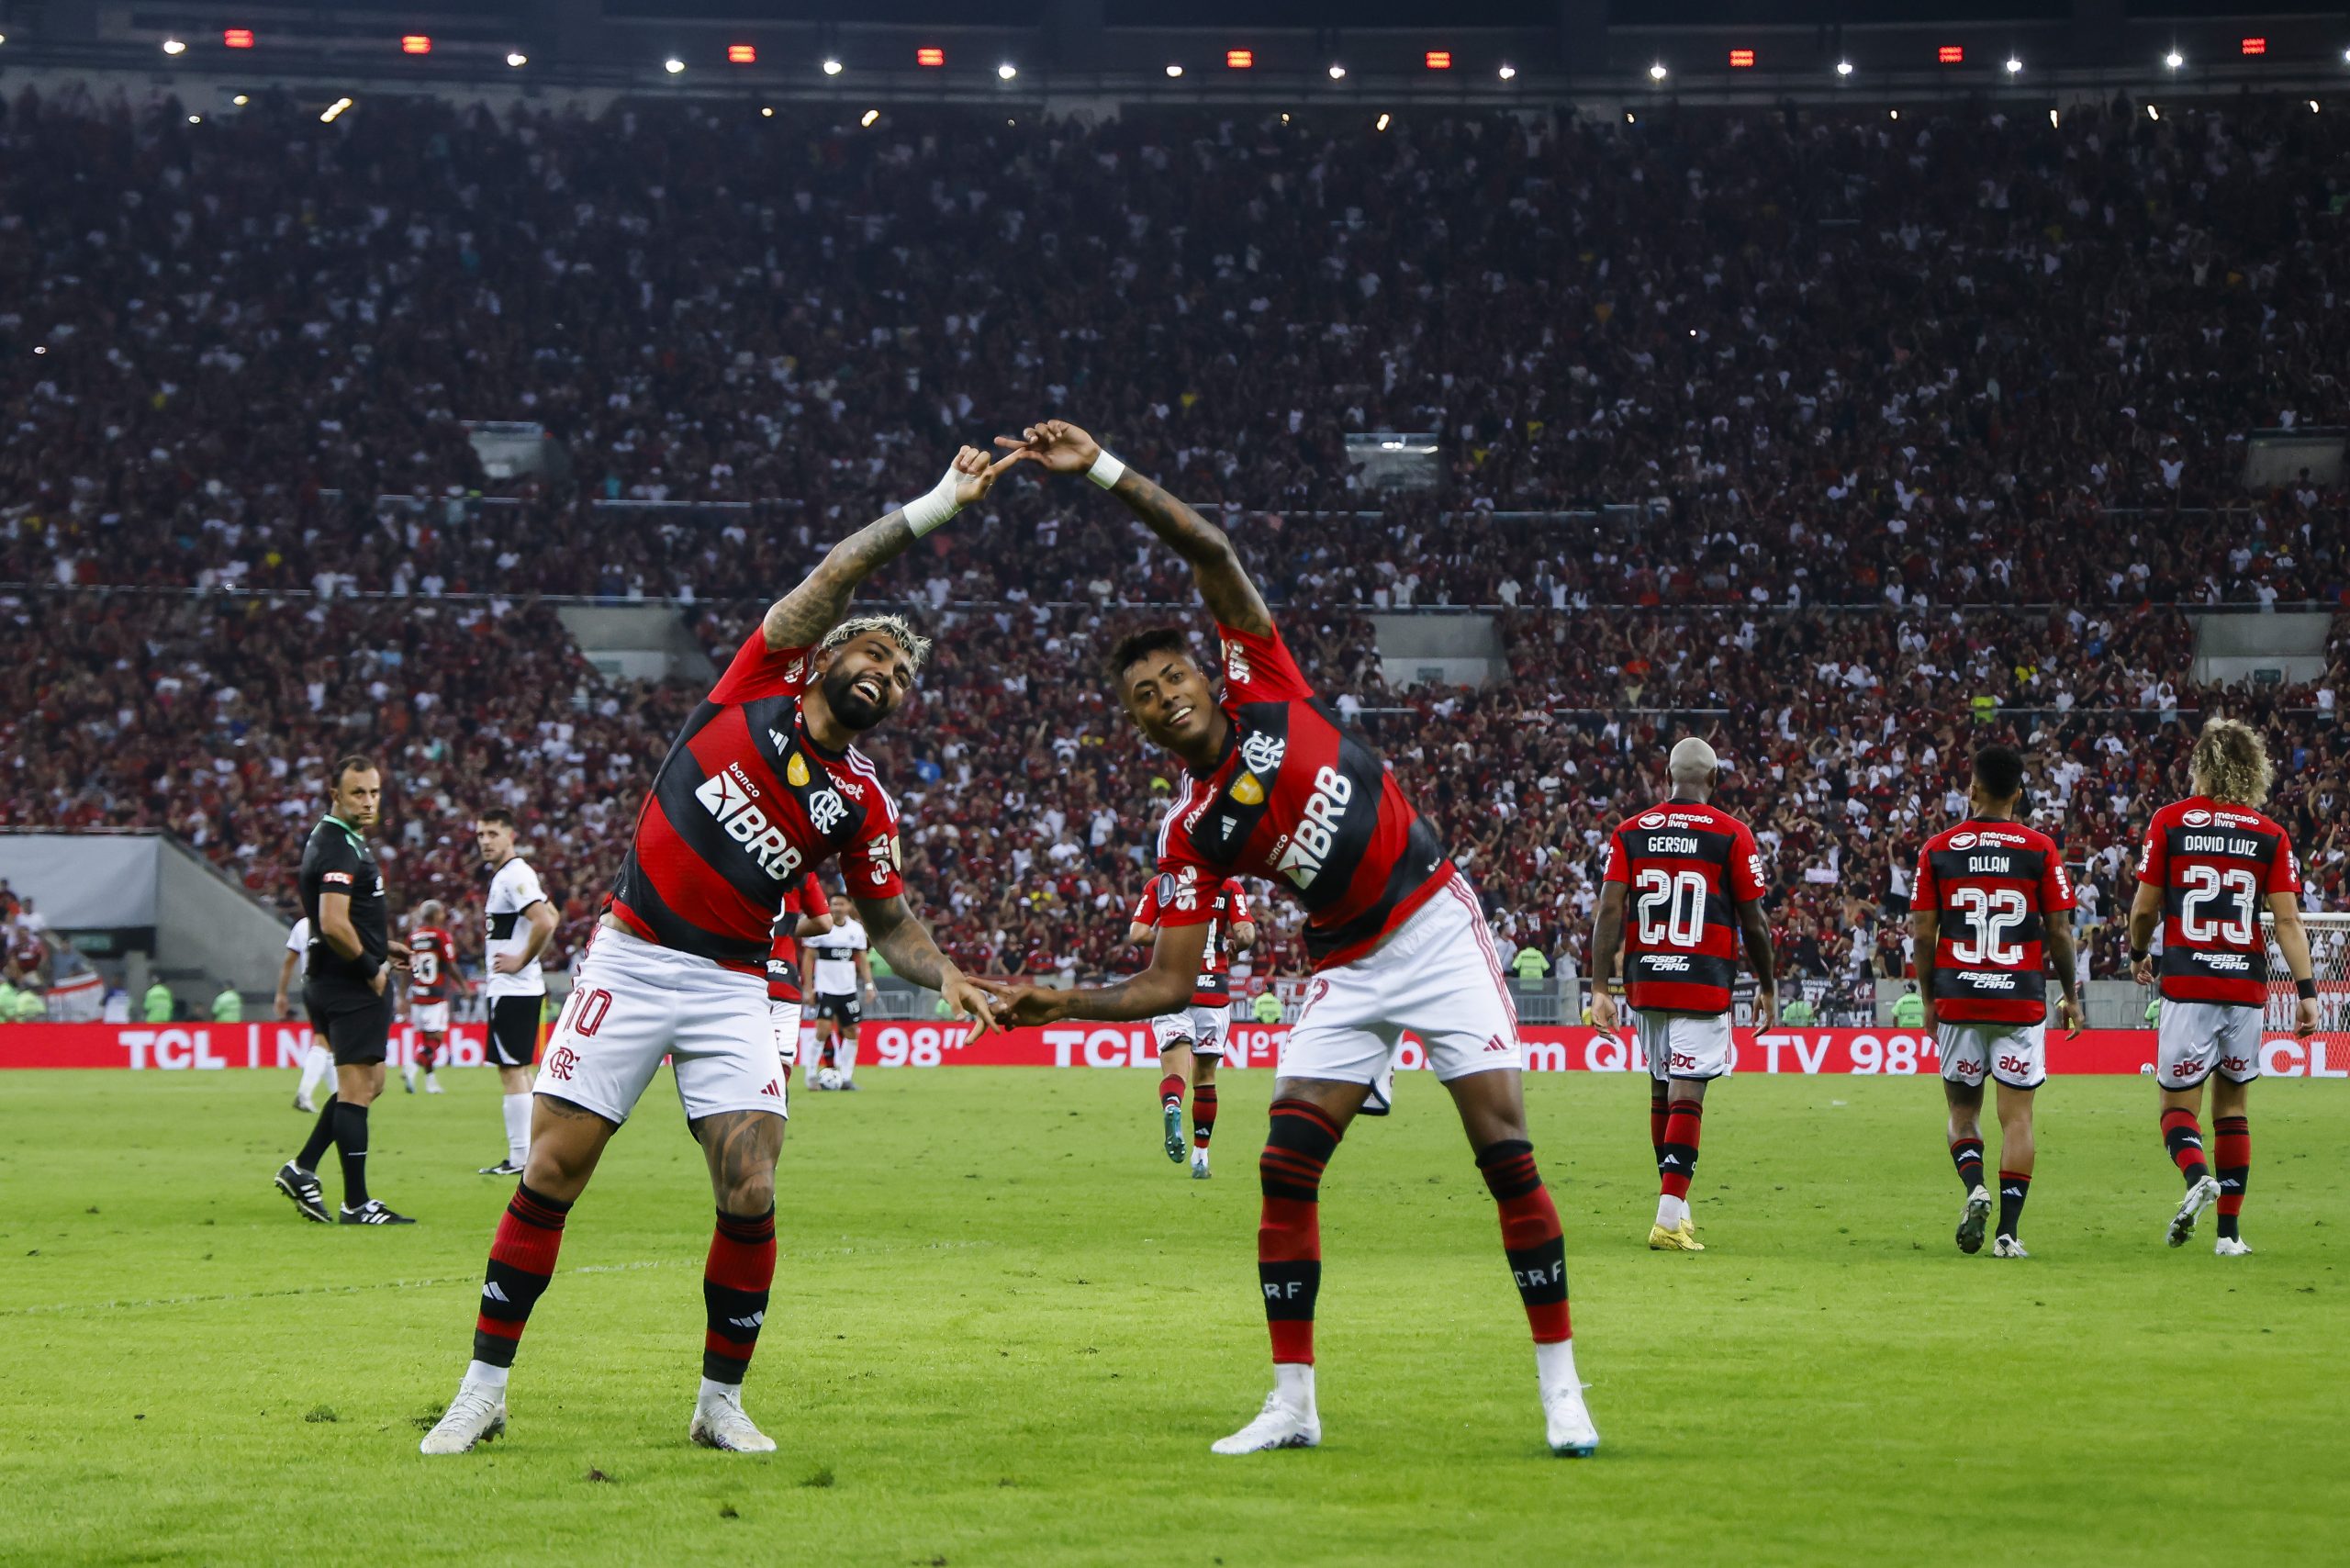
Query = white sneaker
x=474 y=1416
x=2200 y=1196
x=2231 y=1246
x=721 y=1424
x=1200 y=1171
x=2007 y=1247
x=432 y=1085
x=1567 y=1424
x=1278 y=1424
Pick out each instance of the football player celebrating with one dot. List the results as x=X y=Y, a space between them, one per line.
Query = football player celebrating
x=1992 y=910
x=1689 y=872
x=2210 y=863
x=1272 y=786
x=1191 y=1038
x=764 y=783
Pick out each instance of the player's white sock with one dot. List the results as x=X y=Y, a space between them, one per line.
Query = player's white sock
x=518 y=1129
x=1554 y=1365
x=1670 y=1212
x=487 y=1378
x=847 y=1058
x=711 y=1389
x=808 y=1046
x=1293 y=1381
x=408 y=1074
x=317 y=1064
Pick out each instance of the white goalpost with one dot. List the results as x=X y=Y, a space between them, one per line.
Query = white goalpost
x=2329 y=962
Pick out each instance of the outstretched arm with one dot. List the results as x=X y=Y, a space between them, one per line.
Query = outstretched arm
x=1162 y=988
x=1231 y=598
x=894 y=932
x=814 y=608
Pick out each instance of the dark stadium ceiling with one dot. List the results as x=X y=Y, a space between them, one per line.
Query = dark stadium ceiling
x=1531 y=51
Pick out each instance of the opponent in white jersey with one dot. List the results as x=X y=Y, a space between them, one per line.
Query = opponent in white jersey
x=840 y=980
x=517 y=922
x=318 y=1061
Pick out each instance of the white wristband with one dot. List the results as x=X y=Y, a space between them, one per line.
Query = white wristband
x=1106 y=470
x=926 y=512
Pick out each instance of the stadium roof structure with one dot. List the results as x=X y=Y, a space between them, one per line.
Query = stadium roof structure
x=1537 y=53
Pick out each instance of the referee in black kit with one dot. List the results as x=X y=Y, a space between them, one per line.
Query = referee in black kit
x=350 y=960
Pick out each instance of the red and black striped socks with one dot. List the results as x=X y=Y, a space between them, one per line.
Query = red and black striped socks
x=1531 y=1236
x=2234 y=1151
x=1170 y=1090
x=1966 y=1153
x=1289 y=1231
x=1677 y=1161
x=1203 y=1115
x=521 y=1260
x=734 y=1285
x=2183 y=1136
x=2015 y=1186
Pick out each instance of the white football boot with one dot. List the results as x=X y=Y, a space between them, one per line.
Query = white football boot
x=2231 y=1246
x=2007 y=1247
x=1285 y=1422
x=1200 y=1171
x=719 y=1423
x=2200 y=1196
x=475 y=1415
x=1567 y=1423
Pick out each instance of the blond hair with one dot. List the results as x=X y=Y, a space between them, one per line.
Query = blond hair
x=2230 y=763
x=896 y=627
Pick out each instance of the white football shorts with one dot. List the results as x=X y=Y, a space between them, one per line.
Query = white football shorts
x=429 y=1018
x=1438 y=976
x=1203 y=1027
x=636 y=1002
x=1686 y=1045
x=2192 y=1039
x=783 y=1024
x=2014 y=1054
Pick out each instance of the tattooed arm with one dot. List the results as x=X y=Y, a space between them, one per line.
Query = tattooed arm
x=1165 y=986
x=898 y=936
x=1234 y=600
x=806 y=612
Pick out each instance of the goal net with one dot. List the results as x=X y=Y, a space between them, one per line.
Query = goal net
x=2329 y=962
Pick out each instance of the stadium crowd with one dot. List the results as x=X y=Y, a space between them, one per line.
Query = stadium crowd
x=1691 y=381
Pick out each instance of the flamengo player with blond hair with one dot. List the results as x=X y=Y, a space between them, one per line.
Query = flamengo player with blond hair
x=2210 y=863
x=1273 y=786
x=763 y=784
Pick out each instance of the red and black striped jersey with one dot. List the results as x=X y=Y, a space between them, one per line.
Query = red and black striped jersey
x=2216 y=866
x=1230 y=908
x=1297 y=799
x=745 y=804
x=431 y=964
x=783 y=951
x=1686 y=867
x=1992 y=886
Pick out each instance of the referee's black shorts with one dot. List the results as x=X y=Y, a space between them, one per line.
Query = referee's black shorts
x=358 y=1029
x=514 y=1030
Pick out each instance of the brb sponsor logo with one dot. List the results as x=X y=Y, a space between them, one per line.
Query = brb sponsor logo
x=731 y=798
x=1319 y=830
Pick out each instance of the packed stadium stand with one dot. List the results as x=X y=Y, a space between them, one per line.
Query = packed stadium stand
x=1846 y=443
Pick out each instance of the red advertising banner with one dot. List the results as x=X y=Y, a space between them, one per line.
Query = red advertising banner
x=182 y=1047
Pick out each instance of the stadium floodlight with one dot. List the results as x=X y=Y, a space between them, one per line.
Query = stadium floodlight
x=1893 y=113
x=1507 y=73
x=1381 y=124
x=2152 y=113
x=871 y=115
x=2051 y=120
x=517 y=59
x=2346 y=57
x=196 y=119
x=3 y=37
x=241 y=100
x=1007 y=72
x=673 y=65
x=1843 y=68
x=766 y=111
x=334 y=111
x=1174 y=71
x=1337 y=72
x=2314 y=106
x=2173 y=60
x=834 y=68
x=2014 y=66
x=1657 y=73
x=173 y=46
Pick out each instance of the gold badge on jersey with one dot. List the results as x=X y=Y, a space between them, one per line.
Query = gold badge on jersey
x=1247 y=790
x=796 y=771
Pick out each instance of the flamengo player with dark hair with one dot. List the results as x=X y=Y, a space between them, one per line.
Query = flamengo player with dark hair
x=2209 y=863
x=1272 y=786
x=1992 y=910
x=344 y=975
x=806 y=911
x=1691 y=873
x=763 y=784
x=1190 y=1038
x=517 y=920
x=433 y=980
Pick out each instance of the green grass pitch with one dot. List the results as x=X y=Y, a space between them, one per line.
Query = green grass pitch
x=1005 y=1329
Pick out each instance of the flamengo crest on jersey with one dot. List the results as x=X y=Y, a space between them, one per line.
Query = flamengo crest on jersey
x=745 y=803
x=1228 y=908
x=1991 y=886
x=1303 y=802
x=1685 y=866
x=2216 y=866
